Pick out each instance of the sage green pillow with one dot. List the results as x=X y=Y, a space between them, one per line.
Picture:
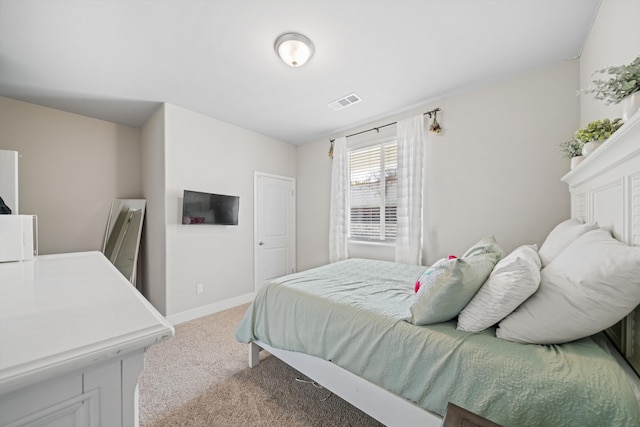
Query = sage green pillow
x=484 y=246
x=448 y=286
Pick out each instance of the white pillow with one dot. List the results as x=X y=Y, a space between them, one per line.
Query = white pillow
x=589 y=287
x=561 y=236
x=514 y=279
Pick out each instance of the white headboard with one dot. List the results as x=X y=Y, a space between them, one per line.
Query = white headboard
x=605 y=188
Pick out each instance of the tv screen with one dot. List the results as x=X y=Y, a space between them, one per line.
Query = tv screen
x=207 y=208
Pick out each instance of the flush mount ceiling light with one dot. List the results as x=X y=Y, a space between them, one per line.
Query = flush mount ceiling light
x=294 y=49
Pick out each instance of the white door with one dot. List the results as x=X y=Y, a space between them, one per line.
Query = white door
x=275 y=226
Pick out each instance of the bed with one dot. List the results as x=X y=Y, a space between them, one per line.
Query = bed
x=347 y=326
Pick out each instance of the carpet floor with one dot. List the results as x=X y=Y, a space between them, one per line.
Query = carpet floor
x=201 y=378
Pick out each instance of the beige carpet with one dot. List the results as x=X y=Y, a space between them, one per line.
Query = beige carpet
x=201 y=378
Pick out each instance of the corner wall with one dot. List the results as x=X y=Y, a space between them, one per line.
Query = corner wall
x=209 y=155
x=71 y=168
x=153 y=250
x=496 y=168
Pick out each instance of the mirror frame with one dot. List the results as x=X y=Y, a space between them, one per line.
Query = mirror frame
x=117 y=214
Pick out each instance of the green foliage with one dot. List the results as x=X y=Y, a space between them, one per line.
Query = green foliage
x=624 y=80
x=598 y=130
x=571 y=148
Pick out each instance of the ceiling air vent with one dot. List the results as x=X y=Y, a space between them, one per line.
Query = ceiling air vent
x=343 y=102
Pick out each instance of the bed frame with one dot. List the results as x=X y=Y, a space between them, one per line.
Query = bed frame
x=605 y=187
x=384 y=406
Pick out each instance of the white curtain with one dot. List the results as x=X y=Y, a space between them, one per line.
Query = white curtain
x=410 y=139
x=338 y=215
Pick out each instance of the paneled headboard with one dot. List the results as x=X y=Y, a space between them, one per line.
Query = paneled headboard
x=605 y=188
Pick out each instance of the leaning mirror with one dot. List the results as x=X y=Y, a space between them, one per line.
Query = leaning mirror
x=122 y=239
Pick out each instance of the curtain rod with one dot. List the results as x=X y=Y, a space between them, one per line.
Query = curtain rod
x=377 y=128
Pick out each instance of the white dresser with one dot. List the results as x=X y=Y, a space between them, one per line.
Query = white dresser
x=73 y=333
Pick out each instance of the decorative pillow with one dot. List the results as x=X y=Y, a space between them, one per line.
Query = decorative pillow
x=561 y=236
x=514 y=279
x=590 y=286
x=416 y=288
x=448 y=286
x=484 y=246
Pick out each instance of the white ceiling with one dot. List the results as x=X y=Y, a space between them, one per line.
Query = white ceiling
x=116 y=60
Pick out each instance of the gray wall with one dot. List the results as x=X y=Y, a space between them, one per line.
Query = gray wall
x=71 y=168
x=614 y=40
x=204 y=154
x=154 y=247
x=496 y=169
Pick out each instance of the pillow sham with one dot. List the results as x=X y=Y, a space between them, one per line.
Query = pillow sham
x=485 y=245
x=448 y=286
x=561 y=236
x=514 y=279
x=589 y=287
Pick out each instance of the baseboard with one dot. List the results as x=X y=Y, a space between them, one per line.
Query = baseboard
x=205 y=310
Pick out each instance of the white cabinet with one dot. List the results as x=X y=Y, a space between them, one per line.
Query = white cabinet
x=57 y=402
x=73 y=333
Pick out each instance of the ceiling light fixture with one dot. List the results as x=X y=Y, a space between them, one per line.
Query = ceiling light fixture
x=294 y=49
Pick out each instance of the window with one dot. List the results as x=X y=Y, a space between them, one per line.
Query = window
x=373 y=192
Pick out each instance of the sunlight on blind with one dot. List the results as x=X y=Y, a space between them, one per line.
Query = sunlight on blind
x=391 y=190
x=373 y=192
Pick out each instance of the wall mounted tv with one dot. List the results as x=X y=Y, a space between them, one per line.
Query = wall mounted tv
x=207 y=208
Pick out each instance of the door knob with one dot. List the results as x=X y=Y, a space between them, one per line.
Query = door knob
x=261 y=243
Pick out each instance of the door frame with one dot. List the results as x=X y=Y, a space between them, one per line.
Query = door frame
x=256 y=175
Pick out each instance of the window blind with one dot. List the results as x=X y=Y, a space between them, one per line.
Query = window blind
x=373 y=192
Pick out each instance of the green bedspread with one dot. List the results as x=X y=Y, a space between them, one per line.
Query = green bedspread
x=353 y=313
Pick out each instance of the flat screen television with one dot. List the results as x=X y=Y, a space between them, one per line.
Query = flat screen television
x=207 y=208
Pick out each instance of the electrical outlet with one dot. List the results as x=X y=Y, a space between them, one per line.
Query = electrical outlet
x=199 y=288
